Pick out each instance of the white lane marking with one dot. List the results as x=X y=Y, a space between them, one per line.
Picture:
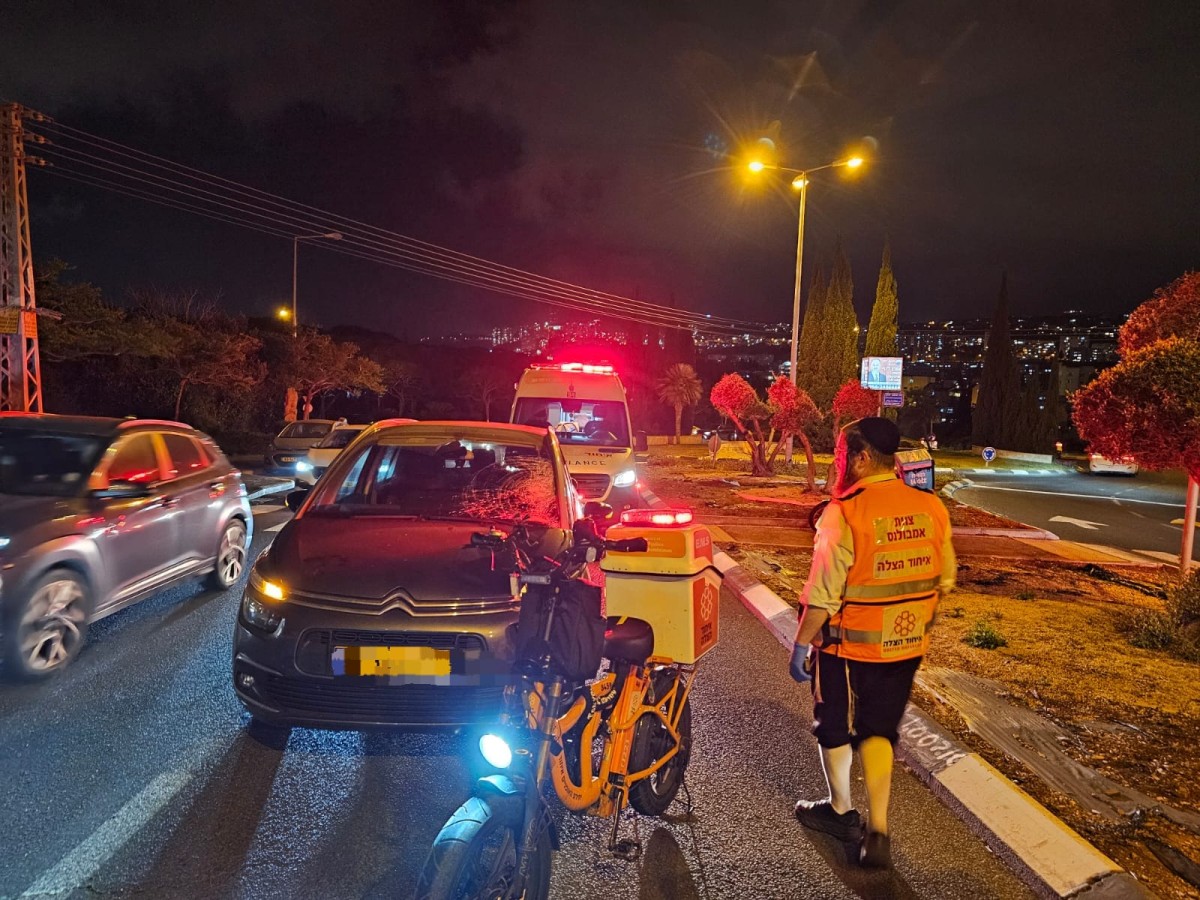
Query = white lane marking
x=996 y=487
x=1082 y=523
x=278 y=527
x=86 y=859
x=263 y=510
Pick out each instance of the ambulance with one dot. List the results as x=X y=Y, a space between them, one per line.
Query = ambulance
x=587 y=408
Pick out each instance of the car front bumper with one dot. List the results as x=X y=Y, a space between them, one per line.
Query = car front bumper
x=287 y=678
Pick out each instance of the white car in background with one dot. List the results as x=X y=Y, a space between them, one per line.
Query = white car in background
x=1102 y=465
x=317 y=458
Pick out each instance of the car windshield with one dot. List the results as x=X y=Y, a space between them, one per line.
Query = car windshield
x=447 y=477
x=306 y=430
x=590 y=422
x=46 y=463
x=339 y=438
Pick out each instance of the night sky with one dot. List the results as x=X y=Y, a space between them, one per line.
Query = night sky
x=1057 y=141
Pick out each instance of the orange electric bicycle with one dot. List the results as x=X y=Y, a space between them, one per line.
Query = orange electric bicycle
x=621 y=739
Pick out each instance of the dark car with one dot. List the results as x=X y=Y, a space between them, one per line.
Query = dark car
x=372 y=607
x=96 y=514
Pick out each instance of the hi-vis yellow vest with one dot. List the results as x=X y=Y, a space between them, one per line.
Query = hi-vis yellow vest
x=891 y=588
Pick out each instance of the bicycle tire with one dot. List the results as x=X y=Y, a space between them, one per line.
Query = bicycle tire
x=449 y=870
x=652 y=795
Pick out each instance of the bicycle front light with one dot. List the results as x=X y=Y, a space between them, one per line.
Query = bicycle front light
x=496 y=751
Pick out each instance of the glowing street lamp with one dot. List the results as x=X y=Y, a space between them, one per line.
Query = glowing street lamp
x=800 y=183
x=283 y=313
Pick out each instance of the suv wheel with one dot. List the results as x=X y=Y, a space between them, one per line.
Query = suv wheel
x=231 y=556
x=46 y=631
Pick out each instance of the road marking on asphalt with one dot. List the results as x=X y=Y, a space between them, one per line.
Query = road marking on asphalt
x=278 y=527
x=1179 y=522
x=1082 y=523
x=74 y=869
x=263 y=510
x=995 y=487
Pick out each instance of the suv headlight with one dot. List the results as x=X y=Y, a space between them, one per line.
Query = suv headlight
x=625 y=479
x=260 y=603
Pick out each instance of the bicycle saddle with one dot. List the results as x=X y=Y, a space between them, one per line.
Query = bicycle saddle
x=631 y=640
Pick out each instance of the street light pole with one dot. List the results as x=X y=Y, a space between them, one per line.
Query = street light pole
x=800 y=182
x=328 y=236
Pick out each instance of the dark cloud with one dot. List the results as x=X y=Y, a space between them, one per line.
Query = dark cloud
x=1054 y=141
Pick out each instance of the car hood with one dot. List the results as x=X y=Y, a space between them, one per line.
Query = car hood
x=295 y=443
x=372 y=557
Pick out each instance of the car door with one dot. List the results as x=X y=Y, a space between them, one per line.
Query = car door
x=138 y=544
x=196 y=490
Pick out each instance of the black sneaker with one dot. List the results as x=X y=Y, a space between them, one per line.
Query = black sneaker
x=819 y=816
x=875 y=851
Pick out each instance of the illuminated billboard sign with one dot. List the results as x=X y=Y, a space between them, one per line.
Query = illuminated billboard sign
x=881 y=373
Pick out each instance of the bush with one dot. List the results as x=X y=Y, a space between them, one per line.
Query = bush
x=1177 y=628
x=984 y=636
x=1149 y=629
x=1026 y=595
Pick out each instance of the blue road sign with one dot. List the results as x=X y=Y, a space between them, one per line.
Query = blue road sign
x=989 y=453
x=893 y=398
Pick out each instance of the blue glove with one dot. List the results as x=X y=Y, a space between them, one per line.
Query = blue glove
x=799 y=667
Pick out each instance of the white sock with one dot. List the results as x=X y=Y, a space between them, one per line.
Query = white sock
x=836 y=763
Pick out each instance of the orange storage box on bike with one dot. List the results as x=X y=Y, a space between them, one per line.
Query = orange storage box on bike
x=673 y=585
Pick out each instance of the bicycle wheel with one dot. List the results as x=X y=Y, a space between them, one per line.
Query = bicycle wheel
x=651 y=741
x=475 y=856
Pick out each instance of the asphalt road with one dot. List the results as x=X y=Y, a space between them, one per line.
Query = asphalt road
x=133 y=775
x=1130 y=513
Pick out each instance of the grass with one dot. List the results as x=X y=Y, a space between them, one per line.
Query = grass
x=985 y=636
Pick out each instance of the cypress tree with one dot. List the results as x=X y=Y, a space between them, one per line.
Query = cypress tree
x=881 y=333
x=841 y=331
x=1000 y=381
x=811 y=337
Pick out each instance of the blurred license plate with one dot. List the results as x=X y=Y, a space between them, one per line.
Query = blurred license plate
x=390 y=661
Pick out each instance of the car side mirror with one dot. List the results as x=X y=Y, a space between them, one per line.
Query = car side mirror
x=597 y=511
x=296 y=499
x=122 y=490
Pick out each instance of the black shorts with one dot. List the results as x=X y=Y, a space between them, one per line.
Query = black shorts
x=880 y=691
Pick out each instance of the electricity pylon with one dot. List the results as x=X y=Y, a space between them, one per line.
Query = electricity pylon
x=20 y=371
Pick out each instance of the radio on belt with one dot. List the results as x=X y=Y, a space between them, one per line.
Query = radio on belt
x=673 y=585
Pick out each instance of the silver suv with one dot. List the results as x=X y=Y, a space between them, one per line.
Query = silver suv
x=96 y=514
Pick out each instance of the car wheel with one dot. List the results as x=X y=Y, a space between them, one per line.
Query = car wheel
x=231 y=556
x=46 y=631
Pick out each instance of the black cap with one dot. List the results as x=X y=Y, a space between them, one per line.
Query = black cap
x=882 y=434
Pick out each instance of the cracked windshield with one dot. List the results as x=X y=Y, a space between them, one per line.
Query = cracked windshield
x=449 y=478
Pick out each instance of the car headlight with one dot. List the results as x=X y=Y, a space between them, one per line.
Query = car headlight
x=303 y=466
x=260 y=603
x=257 y=613
x=496 y=751
x=4 y=542
x=625 y=479
x=272 y=590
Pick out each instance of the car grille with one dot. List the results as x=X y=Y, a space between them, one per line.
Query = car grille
x=376 y=606
x=314 y=647
x=412 y=704
x=591 y=485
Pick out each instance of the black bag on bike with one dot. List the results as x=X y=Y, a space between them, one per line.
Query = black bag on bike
x=576 y=634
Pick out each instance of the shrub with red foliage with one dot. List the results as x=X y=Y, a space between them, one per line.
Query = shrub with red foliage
x=1173 y=311
x=853 y=401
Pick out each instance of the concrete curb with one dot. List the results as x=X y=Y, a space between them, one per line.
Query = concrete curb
x=1051 y=858
x=1030 y=533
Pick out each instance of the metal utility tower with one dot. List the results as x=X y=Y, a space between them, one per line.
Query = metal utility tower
x=20 y=371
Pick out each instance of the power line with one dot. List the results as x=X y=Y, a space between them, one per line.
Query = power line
x=376 y=244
